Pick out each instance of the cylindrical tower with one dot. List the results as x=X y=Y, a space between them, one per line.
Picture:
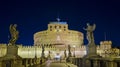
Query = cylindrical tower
x=58 y=35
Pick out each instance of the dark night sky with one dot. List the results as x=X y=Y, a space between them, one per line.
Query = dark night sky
x=32 y=16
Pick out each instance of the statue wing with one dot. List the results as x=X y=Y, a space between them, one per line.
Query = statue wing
x=94 y=26
x=10 y=28
x=88 y=24
x=84 y=28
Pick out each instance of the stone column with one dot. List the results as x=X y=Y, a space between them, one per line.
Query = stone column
x=86 y=63
x=72 y=60
x=95 y=63
x=105 y=63
x=112 y=64
x=115 y=64
x=35 y=61
x=76 y=61
x=98 y=62
x=26 y=63
x=31 y=63
x=80 y=62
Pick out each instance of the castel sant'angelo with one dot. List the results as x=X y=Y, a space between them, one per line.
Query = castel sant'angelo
x=56 y=40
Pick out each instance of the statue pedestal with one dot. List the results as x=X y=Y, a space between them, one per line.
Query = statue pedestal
x=12 y=52
x=11 y=58
x=91 y=51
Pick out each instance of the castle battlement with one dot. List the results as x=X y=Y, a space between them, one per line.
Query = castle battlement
x=106 y=43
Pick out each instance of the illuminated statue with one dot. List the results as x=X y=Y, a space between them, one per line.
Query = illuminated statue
x=43 y=49
x=14 y=34
x=49 y=57
x=69 y=52
x=90 y=29
x=65 y=54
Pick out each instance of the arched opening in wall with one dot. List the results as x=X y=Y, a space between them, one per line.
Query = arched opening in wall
x=57 y=57
x=55 y=27
x=64 y=26
x=8 y=63
x=50 y=26
x=59 y=26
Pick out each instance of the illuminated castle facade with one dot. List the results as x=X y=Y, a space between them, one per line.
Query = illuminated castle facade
x=58 y=35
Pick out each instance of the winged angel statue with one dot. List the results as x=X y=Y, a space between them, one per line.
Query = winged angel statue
x=89 y=35
x=14 y=34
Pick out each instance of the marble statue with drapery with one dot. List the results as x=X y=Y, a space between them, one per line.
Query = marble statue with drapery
x=65 y=54
x=69 y=52
x=89 y=35
x=14 y=34
x=43 y=49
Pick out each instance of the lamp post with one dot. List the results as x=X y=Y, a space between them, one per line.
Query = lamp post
x=74 y=51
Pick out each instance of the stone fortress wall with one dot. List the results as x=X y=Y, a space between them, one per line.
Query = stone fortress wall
x=104 y=50
x=3 y=50
x=32 y=51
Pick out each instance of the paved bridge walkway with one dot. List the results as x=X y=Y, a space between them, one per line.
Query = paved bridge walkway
x=50 y=63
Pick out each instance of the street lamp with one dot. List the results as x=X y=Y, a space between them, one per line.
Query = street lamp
x=74 y=51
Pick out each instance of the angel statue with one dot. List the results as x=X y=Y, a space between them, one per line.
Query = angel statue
x=43 y=49
x=69 y=52
x=65 y=54
x=14 y=34
x=89 y=35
